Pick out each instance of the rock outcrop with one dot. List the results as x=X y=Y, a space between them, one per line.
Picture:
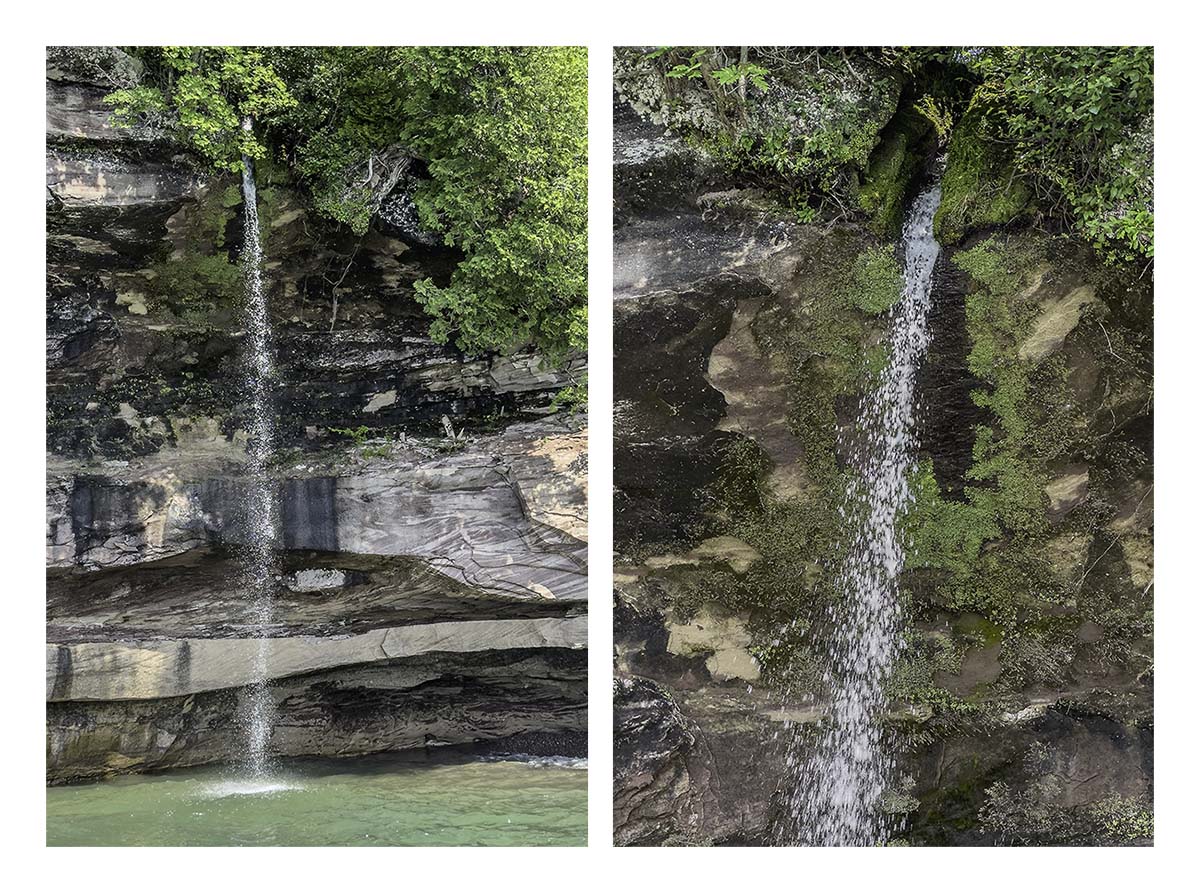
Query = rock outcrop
x=433 y=518
x=1022 y=710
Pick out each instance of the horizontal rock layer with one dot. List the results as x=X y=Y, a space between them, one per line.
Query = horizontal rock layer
x=473 y=516
x=428 y=701
x=115 y=671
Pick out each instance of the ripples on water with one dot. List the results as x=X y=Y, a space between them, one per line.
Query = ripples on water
x=386 y=801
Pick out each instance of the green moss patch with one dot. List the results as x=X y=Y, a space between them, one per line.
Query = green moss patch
x=980 y=187
x=876 y=280
x=902 y=147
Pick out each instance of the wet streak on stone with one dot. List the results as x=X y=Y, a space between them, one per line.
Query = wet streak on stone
x=82 y=515
x=946 y=415
x=61 y=690
x=183 y=663
x=309 y=514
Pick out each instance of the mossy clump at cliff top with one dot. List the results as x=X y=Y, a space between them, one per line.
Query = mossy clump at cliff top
x=980 y=187
x=903 y=146
x=1065 y=133
x=804 y=121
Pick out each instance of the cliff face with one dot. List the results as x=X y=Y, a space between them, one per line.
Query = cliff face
x=433 y=587
x=1022 y=707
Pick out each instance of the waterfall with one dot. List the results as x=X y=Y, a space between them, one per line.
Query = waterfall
x=257 y=554
x=837 y=799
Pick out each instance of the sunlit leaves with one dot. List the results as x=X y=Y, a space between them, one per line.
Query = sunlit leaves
x=204 y=95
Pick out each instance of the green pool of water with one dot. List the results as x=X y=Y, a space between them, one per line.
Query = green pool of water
x=362 y=802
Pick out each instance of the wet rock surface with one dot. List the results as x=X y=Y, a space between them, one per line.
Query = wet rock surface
x=518 y=695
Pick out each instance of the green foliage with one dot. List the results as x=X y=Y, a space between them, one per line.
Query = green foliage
x=699 y=67
x=1063 y=132
x=572 y=398
x=925 y=655
x=198 y=278
x=876 y=280
x=997 y=323
x=378 y=451
x=903 y=147
x=1078 y=124
x=824 y=337
x=938 y=114
x=804 y=213
x=943 y=533
x=794 y=536
x=503 y=135
x=357 y=434
x=991 y=267
x=991 y=549
x=828 y=344
x=800 y=120
x=507 y=158
x=204 y=94
x=195 y=281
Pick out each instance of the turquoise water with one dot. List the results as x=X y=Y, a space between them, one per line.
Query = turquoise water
x=362 y=802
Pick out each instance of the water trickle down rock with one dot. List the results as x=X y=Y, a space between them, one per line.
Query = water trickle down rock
x=147 y=509
x=839 y=785
x=258 y=562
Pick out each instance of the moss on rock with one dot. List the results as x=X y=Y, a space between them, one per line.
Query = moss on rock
x=902 y=148
x=876 y=280
x=980 y=187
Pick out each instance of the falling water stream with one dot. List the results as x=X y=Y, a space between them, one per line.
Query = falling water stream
x=257 y=553
x=840 y=784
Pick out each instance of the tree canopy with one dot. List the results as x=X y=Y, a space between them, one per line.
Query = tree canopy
x=501 y=133
x=1079 y=124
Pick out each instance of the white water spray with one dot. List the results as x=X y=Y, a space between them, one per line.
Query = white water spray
x=258 y=562
x=837 y=799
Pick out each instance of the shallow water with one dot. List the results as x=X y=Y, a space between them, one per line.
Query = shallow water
x=504 y=801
